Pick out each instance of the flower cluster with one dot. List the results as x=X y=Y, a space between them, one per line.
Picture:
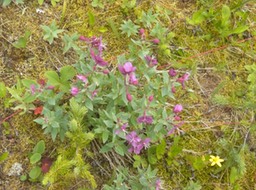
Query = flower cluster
x=136 y=143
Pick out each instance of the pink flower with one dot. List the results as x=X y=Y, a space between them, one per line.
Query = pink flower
x=33 y=89
x=142 y=33
x=172 y=72
x=145 y=119
x=177 y=108
x=182 y=79
x=98 y=59
x=133 y=80
x=74 y=91
x=82 y=78
x=127 y=68
x=152 y=61
x=158 y=184
x=156 y=41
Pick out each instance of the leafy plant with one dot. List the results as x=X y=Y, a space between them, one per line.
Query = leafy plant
x=22 y=41
x=35 y=158
x=5 y=3
x=51 y=32
x=145 y=179
x=129 y=28
x=97 y=3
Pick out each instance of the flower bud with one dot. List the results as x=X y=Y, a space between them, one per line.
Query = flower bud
x=129 y=97
x=141 y=31
x=106 y=71
x=151 y=98
x=82 y=38
x=177 y=118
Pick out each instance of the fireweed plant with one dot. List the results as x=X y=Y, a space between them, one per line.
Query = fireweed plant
x=130 y=106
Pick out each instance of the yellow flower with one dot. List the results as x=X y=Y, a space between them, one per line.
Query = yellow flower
x=216 y=160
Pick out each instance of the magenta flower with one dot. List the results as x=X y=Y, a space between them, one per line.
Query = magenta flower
x=146 y=142
x=132 y=79
x=127 y=68
x=177 y=108
x=145 y=119
x=133 y=138
x=33 y=89
x=183 y=79
x=142 y=33
x=152 y=61
x=74 y=91
x=172 y=72
x=94 y=42
x=82 y=78
x=98 y=59
x=158 y=184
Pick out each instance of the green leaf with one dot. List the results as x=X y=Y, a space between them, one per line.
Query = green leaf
x=105 y=136
x=225 y=13
x=67 y=73
x=40 y=2
x=52 y=77
x=89 y=104
x=197 y=18
x=240 y=29
x=91 y=19
x=152 y=158
x=22 y=41
x=3 y=90
x=234 y=175
x=23 y=177
x=160 y=149
x=6 y=2
x=40 y=147
x=106 y=147
x=4 y=156
x=119 y=149
x=35 y=172
x=35 y=158
x=129 y=28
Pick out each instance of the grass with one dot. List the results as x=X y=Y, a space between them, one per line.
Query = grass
x=217 y=66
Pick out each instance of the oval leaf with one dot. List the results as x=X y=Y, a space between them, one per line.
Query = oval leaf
x=35 y=172
x=35 y=158
x=39 y=148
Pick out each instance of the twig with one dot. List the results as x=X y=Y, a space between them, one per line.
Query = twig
x=10 y=116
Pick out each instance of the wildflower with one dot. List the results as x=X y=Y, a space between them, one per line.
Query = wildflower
x=38 y=110
x=122 y=128
x=158 y=184
x=33 y=89
x=183 y=79
x=177 y=118
x=82 y=38
x=132 y=79
x=142 y=33
x=172 y=72
x=127 y=68
x=152 y=61
x=94 y=42
x=82 y=78
x=74 y=91
x=129 y=97
x=156 y=41
x=133 y=138
x=177 y=108
x=145 y=119
x=98 y=59
x=215 y=160
x=146 y=142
